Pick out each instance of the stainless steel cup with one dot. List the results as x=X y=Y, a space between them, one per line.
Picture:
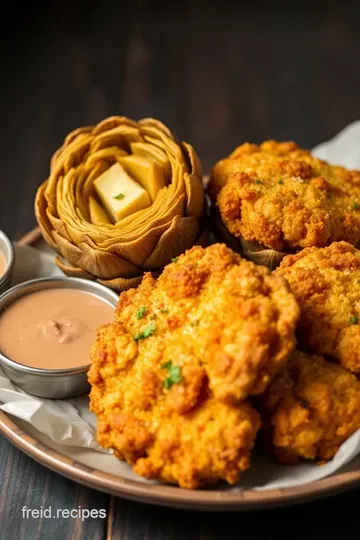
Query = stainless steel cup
x=51 y=383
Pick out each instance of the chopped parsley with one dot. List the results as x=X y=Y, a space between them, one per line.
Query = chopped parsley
x=148 y=331
x=141 y=312
x=355 y=206
x=119 y=196
x=280 y=182
x=164 y=310
x=258 y=182
x=354 y=319
x=175 y=259
x=328 y=194
x=195 y=323
x=174 y=376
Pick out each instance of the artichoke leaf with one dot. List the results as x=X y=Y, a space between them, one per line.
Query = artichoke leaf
x=105 y=264
x=262 y=255
x=111 y=123
x=149 y=151
x=98 y=215
x=112 y=153
x=72 y=271
x=174 y=241
x=42 y=217
x=195 y=195
x=58 y=226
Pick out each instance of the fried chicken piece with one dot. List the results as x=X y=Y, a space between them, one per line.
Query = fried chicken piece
x=170 y=375
x=180 y=435
x=326 y=283
x=282 y=197
x=217 y=310
x=311 y=407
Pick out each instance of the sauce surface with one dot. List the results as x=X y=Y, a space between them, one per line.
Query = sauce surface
x=3 y=264
x=53 y=328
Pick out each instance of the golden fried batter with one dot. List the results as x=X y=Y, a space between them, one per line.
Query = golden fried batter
x=169 y=375
x=326 y=283
x=282 y=197
x=311 y=407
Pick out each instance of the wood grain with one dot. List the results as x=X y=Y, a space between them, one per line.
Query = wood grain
x=218 y=75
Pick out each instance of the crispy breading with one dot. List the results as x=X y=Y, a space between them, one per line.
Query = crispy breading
x=326 y=283
x=282 y=197
x=311 y=407
x=170 y=375
x=178 y=436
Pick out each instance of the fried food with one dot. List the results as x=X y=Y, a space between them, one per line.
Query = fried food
x=170 y=375
x=180 y=435
x=311 y=407
x=326 y=283
x=282 y=197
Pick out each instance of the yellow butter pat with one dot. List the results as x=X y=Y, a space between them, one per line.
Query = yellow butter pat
x=147 y=172
x=120 y=194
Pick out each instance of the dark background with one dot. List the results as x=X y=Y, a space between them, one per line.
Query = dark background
x=217 y=74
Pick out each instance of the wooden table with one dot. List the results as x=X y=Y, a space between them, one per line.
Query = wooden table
x=217 y=76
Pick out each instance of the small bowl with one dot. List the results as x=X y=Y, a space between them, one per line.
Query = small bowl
x=7 y=250
x=51 y=383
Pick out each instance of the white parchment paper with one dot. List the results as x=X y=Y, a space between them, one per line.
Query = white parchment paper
x=69 y=424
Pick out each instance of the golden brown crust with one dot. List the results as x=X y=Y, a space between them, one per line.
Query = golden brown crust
x=192 y=445
x=236 y=318
x=311 y=407
x=326 y=283
x=284 y=198
x=227 y=326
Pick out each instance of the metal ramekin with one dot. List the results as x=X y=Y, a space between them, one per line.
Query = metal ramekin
x=7 y=250
x=51 y=383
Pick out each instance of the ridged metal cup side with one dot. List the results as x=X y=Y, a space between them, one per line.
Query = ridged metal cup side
x=7 y=250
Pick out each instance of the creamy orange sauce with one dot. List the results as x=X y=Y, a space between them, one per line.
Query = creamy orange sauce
x=53 y=328
x=3 y=263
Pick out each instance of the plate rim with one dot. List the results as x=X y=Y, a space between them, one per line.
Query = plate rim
x=171 y=496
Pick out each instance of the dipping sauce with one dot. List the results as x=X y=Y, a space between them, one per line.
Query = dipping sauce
x=3 y=264
x=53 y=328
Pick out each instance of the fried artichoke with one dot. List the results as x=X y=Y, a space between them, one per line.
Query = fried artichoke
x=89 y=242
x=276 y=198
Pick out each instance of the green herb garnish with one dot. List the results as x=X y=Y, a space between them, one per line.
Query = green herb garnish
x=280 y=182
x=258 y=182
x=167 y=365
x=141 y=312
x=195 y=323
x=355 y=206
x=175 y=259
x=119 y=196
x=148 y=331
x=353 y=319
x=164 y=310
x=328 y=194
x=174 y=375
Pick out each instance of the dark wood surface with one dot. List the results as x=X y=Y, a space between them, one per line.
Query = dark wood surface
x=218 y=75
